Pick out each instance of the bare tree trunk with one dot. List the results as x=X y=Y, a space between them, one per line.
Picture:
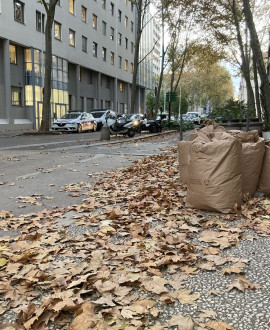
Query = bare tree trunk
x=136 y=54
x=245 y=63
x=257 y=90
x=257 y=53
x=46 y=111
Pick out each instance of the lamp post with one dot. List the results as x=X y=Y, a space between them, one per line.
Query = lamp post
x=180 y=116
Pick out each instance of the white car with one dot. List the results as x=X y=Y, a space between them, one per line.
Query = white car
x=194 y=116
x=103 y=115
x=75 y=121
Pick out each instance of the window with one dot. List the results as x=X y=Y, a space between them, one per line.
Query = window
x=104 y=54
x=120 y=62
x=95 y=46
x=126 y=21
x=84 y=44
x=112 y=58
x=18 y=11
x=119 y=38
x=121 y=87
x=84 y=14
x=13 y=54
x=104 y=27
x=131 y=67
x=57 y=30
x=72 y=7
x=126 y=43
x=119 y=15
x=72 y=38
x=132 y=47
x=104 y=4
x=16 y=96
x=112 y=9
x=132 y=26
x=112 y=34
x=95 y=21
x=40 y=18
x=126 y=65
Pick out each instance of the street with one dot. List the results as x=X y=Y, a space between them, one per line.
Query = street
x=42 y=164
x=98 y=235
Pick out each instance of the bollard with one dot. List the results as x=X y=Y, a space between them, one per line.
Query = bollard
x=105 y=133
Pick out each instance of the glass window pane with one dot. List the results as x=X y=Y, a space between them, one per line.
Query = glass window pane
x=13 y=54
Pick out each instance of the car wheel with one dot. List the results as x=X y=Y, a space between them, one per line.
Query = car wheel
x=131 y=132
x=79 y=129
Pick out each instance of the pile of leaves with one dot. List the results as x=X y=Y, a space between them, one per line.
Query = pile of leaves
x=134 y=245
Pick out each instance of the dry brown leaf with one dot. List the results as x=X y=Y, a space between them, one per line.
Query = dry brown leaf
x=207 y=314
x=105 y=300
x=219 y=325
x=242 y=284
x=207 y=266
x=185 y=297
x=84 y=318
x=236 y=268
x=189 y=270
x=182 y=322
x=155 y=285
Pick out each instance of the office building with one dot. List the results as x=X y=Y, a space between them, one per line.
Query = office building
x=92 y=62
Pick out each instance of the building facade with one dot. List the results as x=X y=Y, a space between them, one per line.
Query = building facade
x=92 y=63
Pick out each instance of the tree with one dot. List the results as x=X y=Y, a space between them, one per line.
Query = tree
x=257 y=53
x=46 y=111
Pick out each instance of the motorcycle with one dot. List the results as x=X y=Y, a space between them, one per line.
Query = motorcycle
x=122 y=126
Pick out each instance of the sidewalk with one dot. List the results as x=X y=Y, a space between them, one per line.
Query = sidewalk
x=131 y=254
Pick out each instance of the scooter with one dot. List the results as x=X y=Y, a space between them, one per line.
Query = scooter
x=121 y=126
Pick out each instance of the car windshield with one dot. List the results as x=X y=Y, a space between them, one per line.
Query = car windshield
x=71 y=116
x=131 y=116
x=98 y=114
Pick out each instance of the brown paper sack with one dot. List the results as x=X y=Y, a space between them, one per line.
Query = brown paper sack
x=215 y=178
x=264 y=182
x=183 y=159
x=252 y=159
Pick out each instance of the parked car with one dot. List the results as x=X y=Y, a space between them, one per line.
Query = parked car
x=138 y=119
x=75 y=121
x=153 y=126
x=103 y=115
x=194 y=116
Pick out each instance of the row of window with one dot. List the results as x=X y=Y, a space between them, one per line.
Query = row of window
x=40 y=18
x=104 y=6
x=58 y=33
x=13 y=54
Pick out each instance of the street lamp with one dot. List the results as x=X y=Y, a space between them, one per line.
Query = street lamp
x=180 y=115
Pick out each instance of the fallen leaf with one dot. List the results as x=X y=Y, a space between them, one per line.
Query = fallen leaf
x=219 y=325
x=185 y=297
x=242 y=284
x=183 y=323
x=236 y=268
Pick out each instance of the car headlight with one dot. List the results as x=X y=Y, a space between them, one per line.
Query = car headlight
x=136 y=122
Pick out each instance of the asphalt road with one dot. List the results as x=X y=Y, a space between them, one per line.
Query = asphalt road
x=35 y=168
